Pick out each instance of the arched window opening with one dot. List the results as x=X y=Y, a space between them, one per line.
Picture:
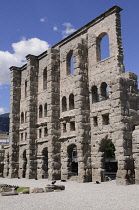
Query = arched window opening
x=45 y=110
x=64 y=104
x=104 y=91
x=22 y=117
x=40 y=111
x=25 y=89
x=109 y=163
x=45 y=163
x=72 y=160
x=95 y=96
x=71 y=101
x=103 y=51
x=24 y=164
x=45 y=79
x=70 y=63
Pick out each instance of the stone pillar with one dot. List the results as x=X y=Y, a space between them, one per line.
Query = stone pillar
x=15 y=94
x=32 y=90
x=53 y=110
x=128 y=100
x=6 y=161
x=82 y=117
x=135 y=146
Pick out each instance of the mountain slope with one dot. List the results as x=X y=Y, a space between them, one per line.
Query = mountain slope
x=4 y=122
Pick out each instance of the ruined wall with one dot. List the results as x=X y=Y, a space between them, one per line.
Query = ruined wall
x=70 y=103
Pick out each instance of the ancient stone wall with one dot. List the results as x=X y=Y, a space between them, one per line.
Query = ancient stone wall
x=68 y=103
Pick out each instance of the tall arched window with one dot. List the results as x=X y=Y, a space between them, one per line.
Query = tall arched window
x=40 y=111
x=104 y=91
x=70 y=63
x=64 y=104
x=45 y=78
x=45 y=110
x=25 y=88
x=102 y=45
x=22 y=117
x=71 y=101
x=95 y=96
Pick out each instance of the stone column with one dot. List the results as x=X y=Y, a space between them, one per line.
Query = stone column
x=82 y=117
x=53 y=110
x=15 y=94
x=32 y=91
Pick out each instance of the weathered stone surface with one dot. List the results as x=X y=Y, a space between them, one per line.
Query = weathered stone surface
x=9 y=193
x=54 y=187
x=37 y=190
x=62 y=117
x=26 y=191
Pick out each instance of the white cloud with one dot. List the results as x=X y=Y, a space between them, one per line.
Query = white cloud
x=55 y=28
x=2 y=111
x=44 y=19
x=33 y=46
x=69 y=29
x=22 y=48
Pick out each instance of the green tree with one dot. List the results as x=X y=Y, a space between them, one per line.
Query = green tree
x=110 y=150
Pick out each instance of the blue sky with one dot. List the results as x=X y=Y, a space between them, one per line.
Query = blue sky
x=31 y=26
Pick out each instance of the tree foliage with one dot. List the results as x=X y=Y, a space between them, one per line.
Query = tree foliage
x=110 y=150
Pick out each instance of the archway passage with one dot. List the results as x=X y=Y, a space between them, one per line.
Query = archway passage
x=72 y=161
x=109 y=163
x=45 y=163
x=24 y=164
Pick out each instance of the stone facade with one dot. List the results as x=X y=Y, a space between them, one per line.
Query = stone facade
x=63 y=116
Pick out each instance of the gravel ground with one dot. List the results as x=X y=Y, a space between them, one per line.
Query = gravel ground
x=76 y=196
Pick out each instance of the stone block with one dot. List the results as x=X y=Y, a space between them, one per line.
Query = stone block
x=9 y=193
x=37 y=190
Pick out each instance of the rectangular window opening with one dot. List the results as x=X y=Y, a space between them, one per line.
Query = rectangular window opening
x=105 y=119
x=95 y=121
x=64 y=128
x=72 y=126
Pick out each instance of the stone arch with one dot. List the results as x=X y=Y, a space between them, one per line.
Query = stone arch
x=104 y=91
x=45 y=163
x=70 y=62
x=94 y=92
x=102 y=46
x=72 y=160
x=64 y=104
x=40 y=111
x=24 y=164
x=108 y=161
x=22 y=117
x=45 y=78
x=71 y=101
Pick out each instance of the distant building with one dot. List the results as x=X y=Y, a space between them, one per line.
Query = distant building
x=4 y=138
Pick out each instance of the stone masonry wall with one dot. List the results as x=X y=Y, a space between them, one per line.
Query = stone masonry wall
x=59 y=108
